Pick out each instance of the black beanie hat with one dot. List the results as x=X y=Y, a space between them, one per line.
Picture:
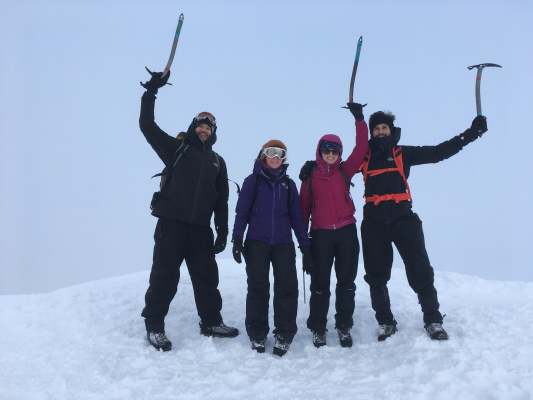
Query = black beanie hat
x=381 y=117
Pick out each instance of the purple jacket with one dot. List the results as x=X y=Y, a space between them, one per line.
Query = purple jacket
x=272 y=216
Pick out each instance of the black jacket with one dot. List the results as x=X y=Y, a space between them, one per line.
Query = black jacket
x=197 y=187
x=381 y=157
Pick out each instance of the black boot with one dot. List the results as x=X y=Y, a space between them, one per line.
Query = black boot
x=258 y=344
x=221 y=330
x=436 y=331
x=319 y=340
x=386 y=330
x=281 y=346
x=344 y=336
x=159 y=341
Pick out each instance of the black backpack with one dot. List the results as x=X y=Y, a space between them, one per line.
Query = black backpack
x=307 y=172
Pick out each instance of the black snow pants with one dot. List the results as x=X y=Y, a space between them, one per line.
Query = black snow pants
x=258 y=256
x=407 y=235
x=341 y=245
x=174 y=242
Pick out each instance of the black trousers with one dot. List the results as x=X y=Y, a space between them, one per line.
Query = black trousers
x=258 y=256
x=176 y=241
x=341 y=245
x=407 y=235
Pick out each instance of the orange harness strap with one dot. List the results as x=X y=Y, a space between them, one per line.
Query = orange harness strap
x=397 y=197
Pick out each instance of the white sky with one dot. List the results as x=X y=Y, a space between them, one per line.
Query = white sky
x=75 y=169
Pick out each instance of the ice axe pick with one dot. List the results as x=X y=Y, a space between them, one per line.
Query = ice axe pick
x=478 y=82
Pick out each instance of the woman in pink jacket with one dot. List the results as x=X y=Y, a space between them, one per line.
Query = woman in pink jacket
x=325 y=197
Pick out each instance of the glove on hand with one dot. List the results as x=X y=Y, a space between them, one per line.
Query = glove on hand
x=238 y=249
x=220 y=244
x=479 y=125
x=307 y=261
x=156 y=82
x=356 y=109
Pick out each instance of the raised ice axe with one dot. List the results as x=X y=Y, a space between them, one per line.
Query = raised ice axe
x=478 y=82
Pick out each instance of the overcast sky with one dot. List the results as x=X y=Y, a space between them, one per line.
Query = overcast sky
x=75 y=169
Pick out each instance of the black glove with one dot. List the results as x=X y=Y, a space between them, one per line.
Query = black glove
x=156 y=81
x=356 y=109
x=307 y=261
x=220 y=243
x=479 y=125
x=238 y=249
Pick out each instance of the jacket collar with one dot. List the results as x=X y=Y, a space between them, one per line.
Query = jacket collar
x=385 y=143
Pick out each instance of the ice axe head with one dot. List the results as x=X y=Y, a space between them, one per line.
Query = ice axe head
x=478 y=82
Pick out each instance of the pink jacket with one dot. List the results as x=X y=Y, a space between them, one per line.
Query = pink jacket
x=332 y=206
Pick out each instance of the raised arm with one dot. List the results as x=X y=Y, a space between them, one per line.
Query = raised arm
x=354 y=160
x=164 y=145
x=418 y=155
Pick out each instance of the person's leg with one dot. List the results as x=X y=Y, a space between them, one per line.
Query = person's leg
x=203 y=270
x=170 y=247
x=378 y=256
x=285 y=290
x=346 y=259
x=322 y=251
x=409 y=240
x=257 y=259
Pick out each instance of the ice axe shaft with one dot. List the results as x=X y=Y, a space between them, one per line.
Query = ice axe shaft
x=303 y=275
x=174 y=44
x=354 y=71
x=478 y=82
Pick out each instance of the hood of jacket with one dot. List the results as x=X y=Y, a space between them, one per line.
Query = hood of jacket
x=321 y=164
x=194 y=139
x=385 y=143
x=258 y=169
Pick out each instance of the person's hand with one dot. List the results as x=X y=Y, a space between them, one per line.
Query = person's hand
x=479 y=125
x=308 y=264
x=220 y=244
x=356 y=109
x=238 y=249
x=156 y=81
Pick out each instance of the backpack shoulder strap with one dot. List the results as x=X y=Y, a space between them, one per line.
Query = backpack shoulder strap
x=398 y=160
x=345 y=175
x=217 y=157
x=364 y=165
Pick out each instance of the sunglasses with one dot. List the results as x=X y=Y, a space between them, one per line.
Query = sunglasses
x=205 y=115
x=327 y=151
x=272 y=152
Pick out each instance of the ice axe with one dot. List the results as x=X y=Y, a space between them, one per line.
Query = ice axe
x=173 y=51
x=478 y=82
x=354 y=71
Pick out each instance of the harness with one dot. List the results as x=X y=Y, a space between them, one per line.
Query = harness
x=398 y=160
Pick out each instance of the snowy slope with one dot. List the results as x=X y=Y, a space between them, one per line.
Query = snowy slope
x=87 y=342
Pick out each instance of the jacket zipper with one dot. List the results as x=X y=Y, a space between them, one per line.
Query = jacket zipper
x=198 y=186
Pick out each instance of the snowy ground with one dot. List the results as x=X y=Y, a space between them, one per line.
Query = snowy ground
x=88 y=342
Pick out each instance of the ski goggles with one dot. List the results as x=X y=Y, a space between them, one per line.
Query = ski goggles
x=332 y=151
x=272 y=152
x=205 y=117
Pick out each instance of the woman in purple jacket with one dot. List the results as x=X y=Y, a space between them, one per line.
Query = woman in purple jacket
x=270 y=206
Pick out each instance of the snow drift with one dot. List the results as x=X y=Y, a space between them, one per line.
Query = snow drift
x=88 y=342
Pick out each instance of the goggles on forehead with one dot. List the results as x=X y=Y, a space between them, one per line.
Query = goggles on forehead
x=206 y=116
x=272 y=152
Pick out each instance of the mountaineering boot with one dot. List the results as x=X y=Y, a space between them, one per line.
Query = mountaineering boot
x=318 y=339
x=281 y=346
x=159 y=341
x=436 y=331
x=344 y=336
x=221 y=330
x=386 y=330
x=258 y=344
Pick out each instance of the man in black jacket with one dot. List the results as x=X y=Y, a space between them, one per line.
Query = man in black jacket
x=388 y=218
x=196 y=186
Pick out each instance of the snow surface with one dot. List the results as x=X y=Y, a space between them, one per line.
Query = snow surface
x=88 y=342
